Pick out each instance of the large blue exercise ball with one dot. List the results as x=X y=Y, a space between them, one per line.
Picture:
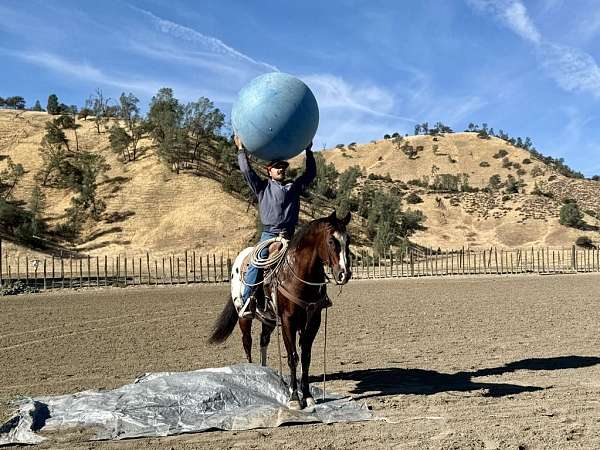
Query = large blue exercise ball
x=276 y=116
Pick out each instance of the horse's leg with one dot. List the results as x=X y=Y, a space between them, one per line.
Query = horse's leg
x=265 y=338
x=289 y=339
x=246 y=327
x=306 y=341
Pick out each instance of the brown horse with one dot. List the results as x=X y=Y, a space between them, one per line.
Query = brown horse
x=299 y=289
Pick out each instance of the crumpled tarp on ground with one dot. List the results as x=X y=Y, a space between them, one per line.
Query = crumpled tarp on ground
x=239 y=397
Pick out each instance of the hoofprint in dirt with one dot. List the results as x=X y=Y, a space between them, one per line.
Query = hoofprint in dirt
x=486 y=362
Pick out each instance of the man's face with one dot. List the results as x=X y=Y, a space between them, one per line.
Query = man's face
x=277 y=173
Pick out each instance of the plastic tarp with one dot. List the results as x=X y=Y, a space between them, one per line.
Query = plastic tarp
x=239 y=397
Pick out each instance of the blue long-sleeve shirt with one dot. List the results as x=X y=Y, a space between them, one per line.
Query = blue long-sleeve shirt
x=278 y=203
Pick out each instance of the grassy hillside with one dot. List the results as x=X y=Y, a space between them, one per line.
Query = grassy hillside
x=476 y=219
x=149 y=207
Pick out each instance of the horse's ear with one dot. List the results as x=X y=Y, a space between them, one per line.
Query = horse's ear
x=332 y=217
x=346 y=219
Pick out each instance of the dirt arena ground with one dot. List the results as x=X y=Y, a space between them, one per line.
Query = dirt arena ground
x=452 y=363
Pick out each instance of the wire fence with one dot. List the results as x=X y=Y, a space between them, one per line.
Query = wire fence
x=74 y=271
x=492 y=261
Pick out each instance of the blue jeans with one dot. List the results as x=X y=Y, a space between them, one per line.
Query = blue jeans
x=254 y=274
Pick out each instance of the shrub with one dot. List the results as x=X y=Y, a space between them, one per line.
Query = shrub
x=521 y=172
x=526 y=161
x=506 y=163
x=500 y=154
x=494 y=182
x=505 y=198
x=451 y=160
x=417 y=182
x=339 y=146
x=484 y=164
x=17 y=287
x=536 y=171
x=584 y=241
x=571 y=216
x=386 y=136
x=413 y=198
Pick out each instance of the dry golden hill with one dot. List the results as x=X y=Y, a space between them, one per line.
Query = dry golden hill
x=151 y=208
x=148 y=206
x=477 y=219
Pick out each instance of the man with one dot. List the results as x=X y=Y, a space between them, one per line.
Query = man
x=279 y=206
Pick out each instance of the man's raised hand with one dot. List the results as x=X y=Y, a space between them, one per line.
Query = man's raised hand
x=238 y=142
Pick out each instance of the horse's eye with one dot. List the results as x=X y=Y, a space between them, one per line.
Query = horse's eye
x=331 y=242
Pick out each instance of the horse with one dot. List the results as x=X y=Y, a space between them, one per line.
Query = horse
x=298 y=288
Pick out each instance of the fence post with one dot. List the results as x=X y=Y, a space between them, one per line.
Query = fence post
x=222 y=274
x=45 y=286
x=80 y=272
x=70 y=270
x=194 y=266
x=412 y=263
x=1 y=279
x=201 y=270
x=215 y=266
x=27 y=270
x=155 y=272
x=186 y=267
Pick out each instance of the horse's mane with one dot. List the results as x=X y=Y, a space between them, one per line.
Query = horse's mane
x=306 y=230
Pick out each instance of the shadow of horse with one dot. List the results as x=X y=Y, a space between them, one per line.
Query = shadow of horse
x=396 y=381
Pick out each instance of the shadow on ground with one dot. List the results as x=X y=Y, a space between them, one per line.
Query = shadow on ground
x=396 y=381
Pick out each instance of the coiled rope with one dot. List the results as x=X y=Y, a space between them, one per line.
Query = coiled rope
x=271 y=261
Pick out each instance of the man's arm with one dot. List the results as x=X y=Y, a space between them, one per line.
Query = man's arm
x=310 y=171
x=256 y=183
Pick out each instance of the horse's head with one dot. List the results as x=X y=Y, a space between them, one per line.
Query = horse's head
x=335 y=248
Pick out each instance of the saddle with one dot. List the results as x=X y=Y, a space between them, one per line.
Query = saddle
x=266 y=296
x=264 y=301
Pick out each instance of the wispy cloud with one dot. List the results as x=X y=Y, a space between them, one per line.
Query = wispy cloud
x=208 y=43
x=353 y=112
x=334 y=92
x=513 y=14
x=91 y=74
x=573 y=69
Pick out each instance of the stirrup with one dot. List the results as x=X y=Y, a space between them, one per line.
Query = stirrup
x=246 y=311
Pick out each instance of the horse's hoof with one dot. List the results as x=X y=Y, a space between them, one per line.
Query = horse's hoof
x=294 y=405
x=309 y=404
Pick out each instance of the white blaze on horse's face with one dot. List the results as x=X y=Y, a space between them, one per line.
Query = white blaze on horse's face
x=344 y=257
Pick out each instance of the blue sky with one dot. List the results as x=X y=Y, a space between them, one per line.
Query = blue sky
x=530 y=68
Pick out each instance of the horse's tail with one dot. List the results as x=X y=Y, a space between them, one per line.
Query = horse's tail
x=225 y=324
